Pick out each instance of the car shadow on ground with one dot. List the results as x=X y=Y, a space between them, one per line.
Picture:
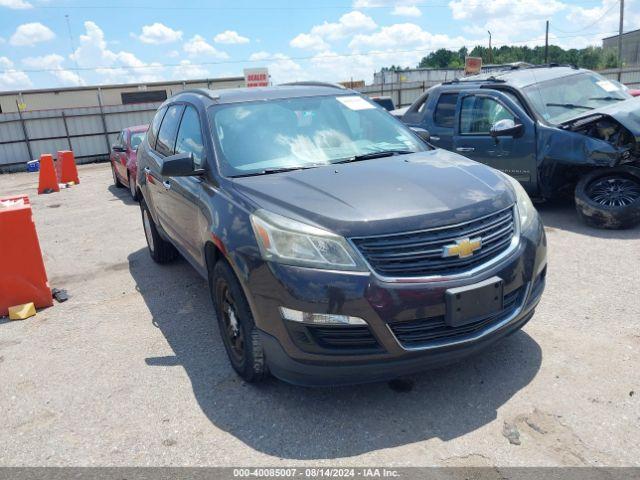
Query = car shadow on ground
x=561 y=214
x=122 y=194
x=305 y=423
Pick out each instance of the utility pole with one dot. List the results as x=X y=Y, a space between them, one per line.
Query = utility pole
x=546 y=44
x=620 y=40
x=490 y=51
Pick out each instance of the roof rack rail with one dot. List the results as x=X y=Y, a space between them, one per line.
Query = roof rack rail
x=313 y=83
x=199 y=91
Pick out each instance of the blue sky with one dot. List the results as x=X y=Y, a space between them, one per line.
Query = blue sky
x=144 y=40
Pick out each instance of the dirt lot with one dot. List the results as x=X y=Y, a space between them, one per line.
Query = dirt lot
x=131 y=370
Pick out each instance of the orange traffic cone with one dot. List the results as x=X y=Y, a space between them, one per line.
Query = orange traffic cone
x=48 y=181
x=67 y=170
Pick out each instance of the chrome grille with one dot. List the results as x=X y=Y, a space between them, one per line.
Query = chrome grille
x=419 y=254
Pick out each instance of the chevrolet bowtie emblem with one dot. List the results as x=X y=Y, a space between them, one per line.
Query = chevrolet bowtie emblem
x=463 y=248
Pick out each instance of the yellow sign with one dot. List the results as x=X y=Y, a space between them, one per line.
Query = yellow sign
x=463 y=248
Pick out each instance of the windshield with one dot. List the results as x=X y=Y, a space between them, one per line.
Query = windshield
x=563 y=98
x=136 y=139
x=292 y=133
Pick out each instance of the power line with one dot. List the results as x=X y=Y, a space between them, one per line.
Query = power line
x=273 y=58
x=270 y=7
x=592 y=23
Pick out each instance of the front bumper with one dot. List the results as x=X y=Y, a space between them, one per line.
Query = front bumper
x=395 y=313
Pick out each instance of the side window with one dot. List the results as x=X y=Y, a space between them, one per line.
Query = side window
x=167 y=134
x=152 y=134
x=119 y=141
x=445 y=112
x=190 y=136
x=478 y=114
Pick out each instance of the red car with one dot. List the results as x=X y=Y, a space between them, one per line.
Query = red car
x=634 y=92
x=124 y=164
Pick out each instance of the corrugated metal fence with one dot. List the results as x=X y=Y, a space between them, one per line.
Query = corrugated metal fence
x=89 y=132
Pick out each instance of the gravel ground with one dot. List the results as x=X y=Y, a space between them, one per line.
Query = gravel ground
x=131 y=370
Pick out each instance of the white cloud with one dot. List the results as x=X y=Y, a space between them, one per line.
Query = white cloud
x=281 y=67
x=406 y=11
x=159 y=33
x=259 y=56
x=187 y=71
x=15 y=4
x=348 y=24
x=29 y=34
x=230 y=37
x=309 y=41
x=112 y=66
x=507 y=20
x=197 y=46
x=173 y=54
x=405 y=35
x=11 y=79
x=53 y=62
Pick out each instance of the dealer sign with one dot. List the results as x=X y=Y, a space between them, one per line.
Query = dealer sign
x=256 y=77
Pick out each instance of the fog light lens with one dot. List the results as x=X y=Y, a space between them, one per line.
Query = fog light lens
x=319 y=318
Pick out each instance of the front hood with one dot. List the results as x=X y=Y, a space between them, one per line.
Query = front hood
x=627 y=113
x=385 y=195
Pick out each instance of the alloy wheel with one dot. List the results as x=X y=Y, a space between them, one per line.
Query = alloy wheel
x=614 y=191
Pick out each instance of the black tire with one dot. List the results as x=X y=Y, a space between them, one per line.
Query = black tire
x=160 y=250
x=609 y=198
x=240 y=336
x=133 y=190
x=116 y=180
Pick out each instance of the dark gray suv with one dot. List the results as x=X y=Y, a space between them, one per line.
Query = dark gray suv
x=339 y=246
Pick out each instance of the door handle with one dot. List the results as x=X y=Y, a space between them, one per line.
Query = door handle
x=465 y=149
x=166 y=184
x=433 y=137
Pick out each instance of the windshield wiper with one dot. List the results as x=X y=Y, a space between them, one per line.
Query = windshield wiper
x=571 y=106
x=608 y=99
x=267 y=171
x=371 y=155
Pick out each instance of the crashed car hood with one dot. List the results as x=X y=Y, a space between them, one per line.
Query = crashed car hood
x=385 y=195
x=627 y=113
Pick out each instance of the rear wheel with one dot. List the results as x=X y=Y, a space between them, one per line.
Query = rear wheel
x=235 y=321
x=160 y=250
x=609 y=198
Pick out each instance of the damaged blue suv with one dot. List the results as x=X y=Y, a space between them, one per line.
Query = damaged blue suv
x=553 y=128
x=338 y=245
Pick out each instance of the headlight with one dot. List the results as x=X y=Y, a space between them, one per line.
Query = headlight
x=526 y=210
x=295 y=243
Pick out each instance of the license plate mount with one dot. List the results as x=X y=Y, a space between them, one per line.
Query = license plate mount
x=471 y=303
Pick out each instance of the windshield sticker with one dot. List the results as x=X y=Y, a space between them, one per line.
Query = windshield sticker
x=355 y=103
x=607 y=86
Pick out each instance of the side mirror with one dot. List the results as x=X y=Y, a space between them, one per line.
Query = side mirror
x=118 y=148
x=422 y=133
x=506 y=128
x=179 y=165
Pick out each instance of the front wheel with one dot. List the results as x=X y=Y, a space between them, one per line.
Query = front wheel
x=235 y=321
x=116 y=180
x=609 y=198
